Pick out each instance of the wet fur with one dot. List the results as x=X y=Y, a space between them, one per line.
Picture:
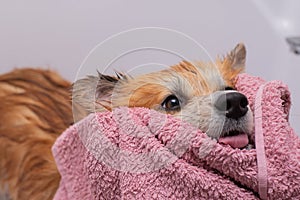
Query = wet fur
x=35 y=108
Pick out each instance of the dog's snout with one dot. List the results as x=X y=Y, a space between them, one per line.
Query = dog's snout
x=234 y=104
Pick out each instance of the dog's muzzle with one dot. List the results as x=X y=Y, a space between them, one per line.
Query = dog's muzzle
x=233 y=104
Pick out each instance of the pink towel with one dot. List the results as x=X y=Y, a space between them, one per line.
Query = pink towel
x=137 y=153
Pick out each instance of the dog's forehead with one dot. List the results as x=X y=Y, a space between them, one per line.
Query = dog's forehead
x=204 y=78
x=192 y=79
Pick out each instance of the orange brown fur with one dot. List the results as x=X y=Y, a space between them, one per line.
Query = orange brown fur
x=35 y=108
x=147 y=95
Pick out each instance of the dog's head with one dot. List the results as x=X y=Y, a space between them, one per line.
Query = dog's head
x=200 y=93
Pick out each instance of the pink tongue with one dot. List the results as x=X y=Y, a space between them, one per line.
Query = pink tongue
x=237 y=141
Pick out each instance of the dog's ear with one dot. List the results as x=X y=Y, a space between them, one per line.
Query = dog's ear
x=233 y=64
x=237 y=57
x=93 y=93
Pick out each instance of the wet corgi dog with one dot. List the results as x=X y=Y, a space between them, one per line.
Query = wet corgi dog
x=200 y=93
x=35 y=108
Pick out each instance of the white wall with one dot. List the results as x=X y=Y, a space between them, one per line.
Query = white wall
x=60 y=34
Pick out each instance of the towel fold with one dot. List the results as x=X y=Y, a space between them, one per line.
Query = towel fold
x=137 y=153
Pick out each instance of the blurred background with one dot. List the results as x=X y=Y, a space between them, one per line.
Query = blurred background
x=60 y=34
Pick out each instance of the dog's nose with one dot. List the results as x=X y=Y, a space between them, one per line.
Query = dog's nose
x=234 y=104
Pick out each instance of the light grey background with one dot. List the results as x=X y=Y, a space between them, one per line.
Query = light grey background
x=60 y=34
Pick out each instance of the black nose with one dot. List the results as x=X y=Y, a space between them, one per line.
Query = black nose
x=234 y=104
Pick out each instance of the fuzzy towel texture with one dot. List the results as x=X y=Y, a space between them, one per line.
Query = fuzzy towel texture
x=139 y=153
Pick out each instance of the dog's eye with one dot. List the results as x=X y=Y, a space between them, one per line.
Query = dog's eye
x=171 y=103
x=229 y=88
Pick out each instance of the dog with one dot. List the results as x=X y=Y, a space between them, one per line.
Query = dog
x=202 y=94
x=36 y=107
